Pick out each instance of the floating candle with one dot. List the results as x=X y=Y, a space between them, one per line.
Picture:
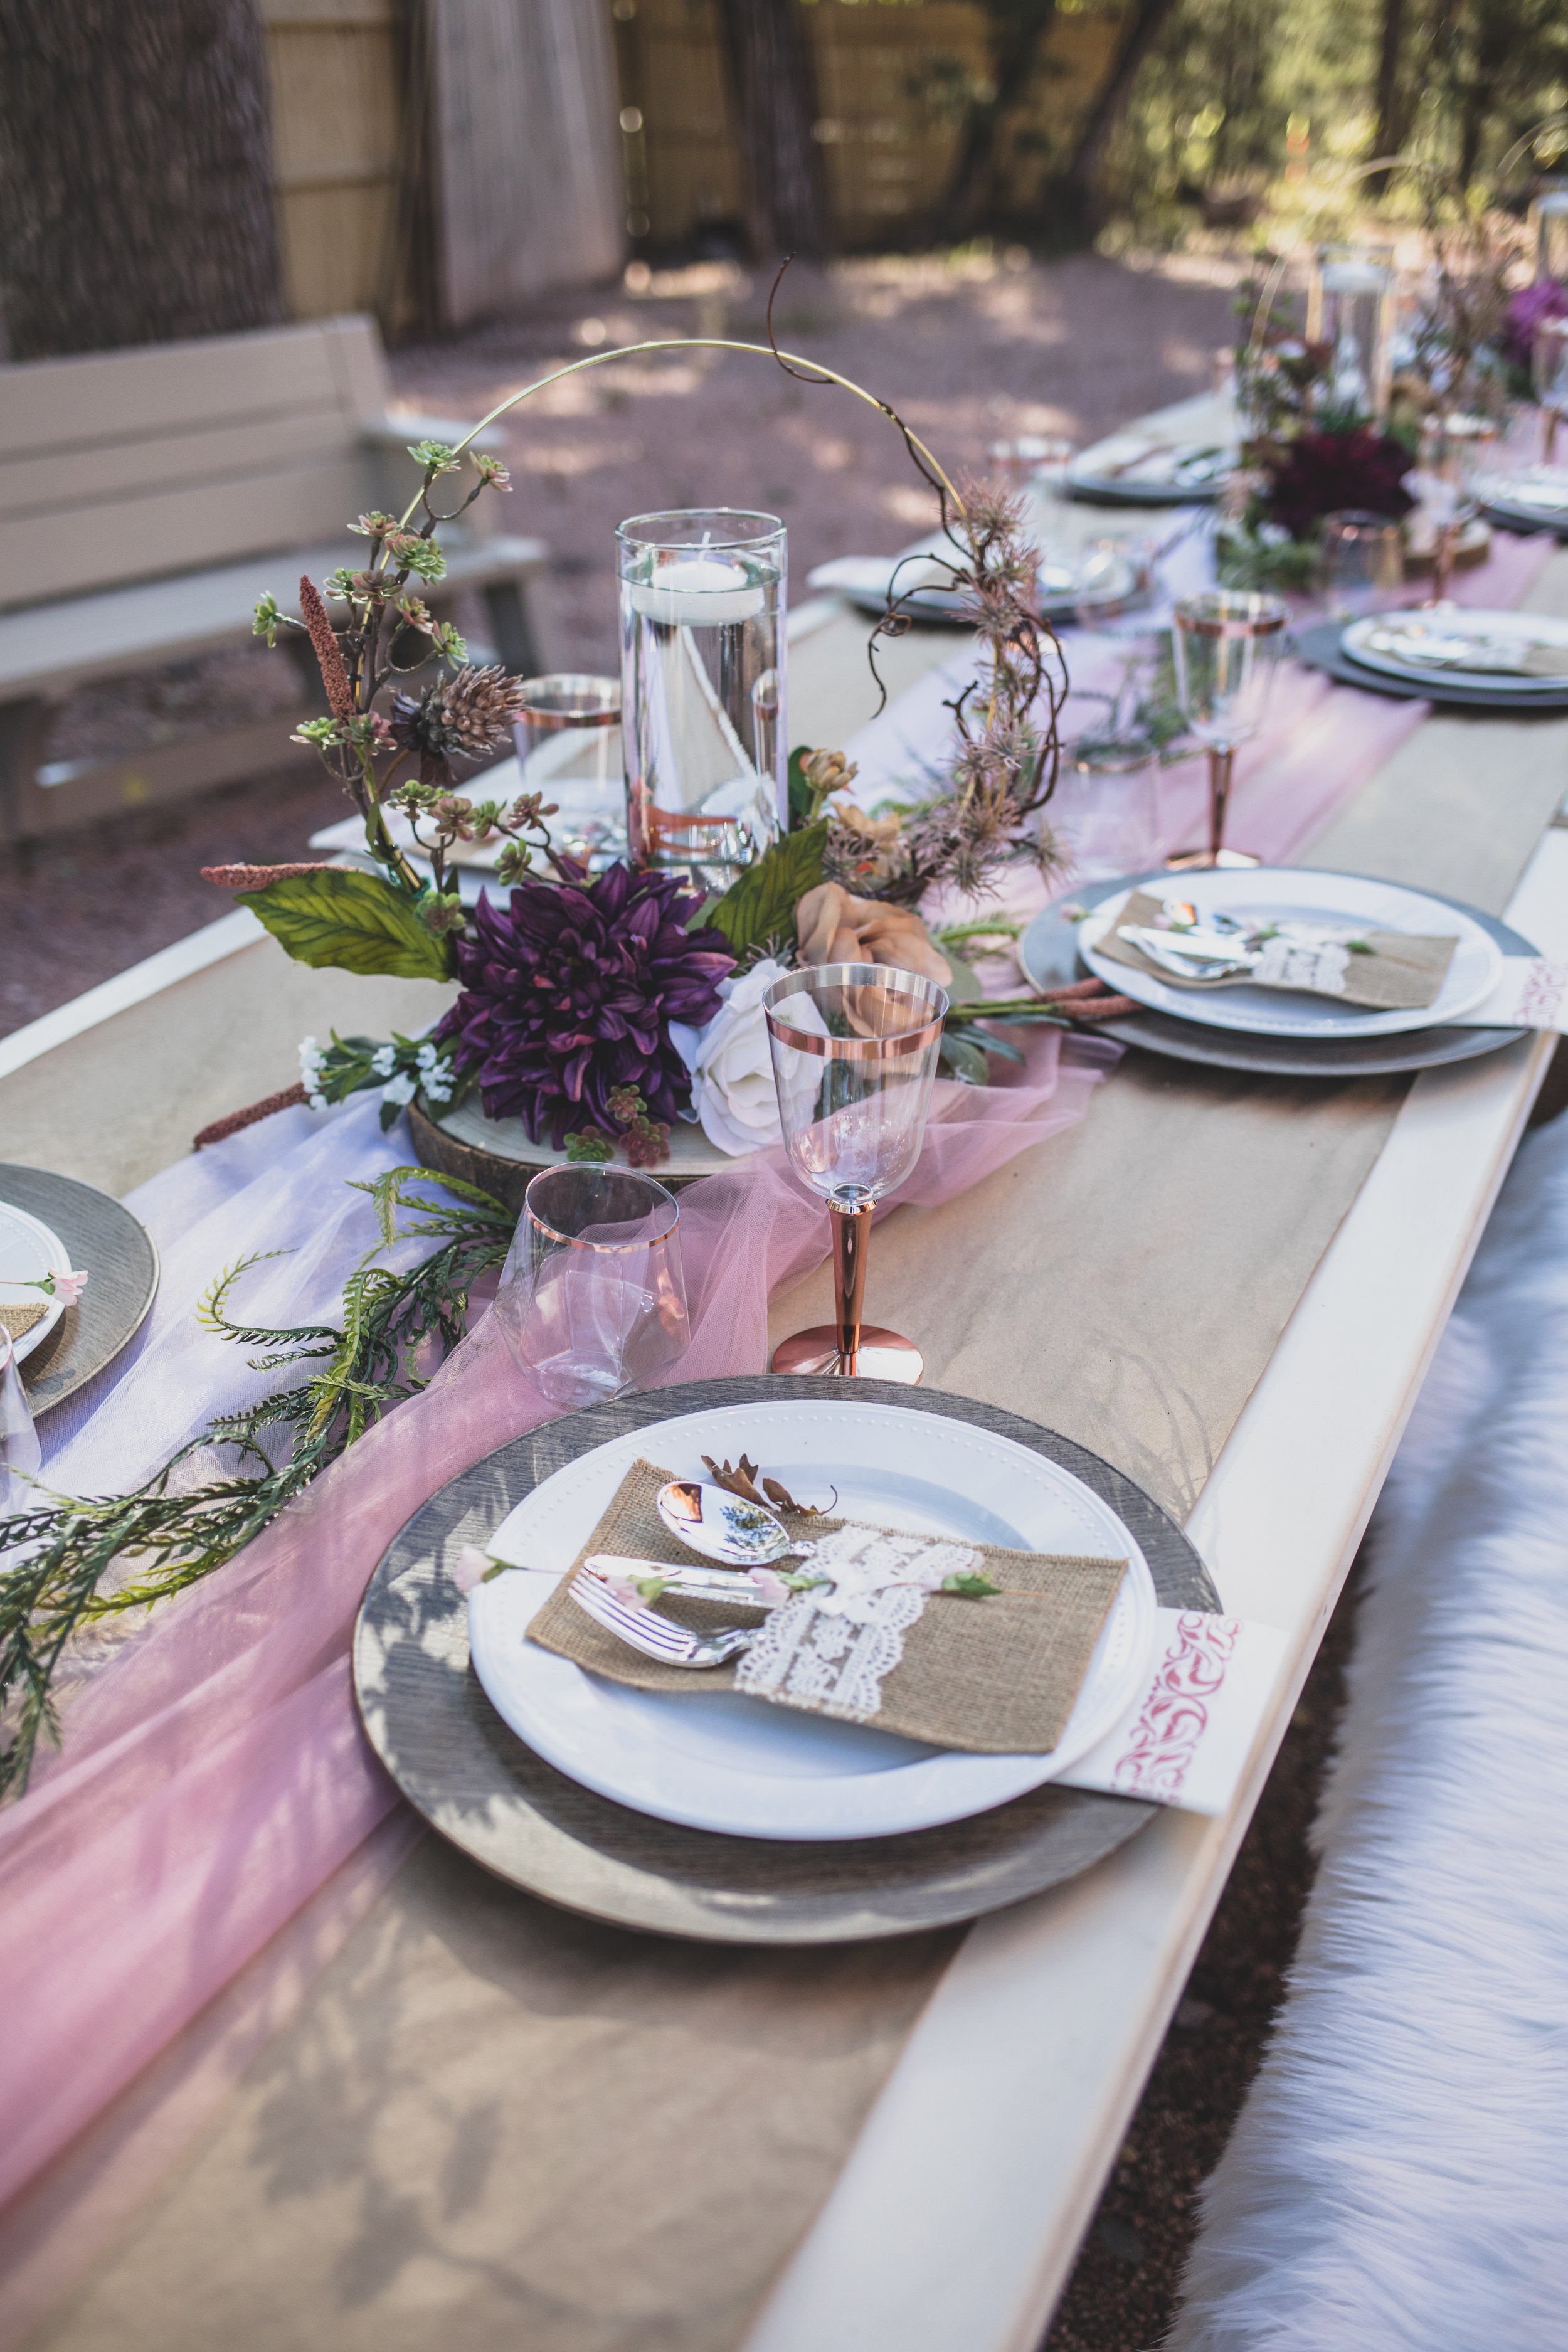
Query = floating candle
x=698 y=592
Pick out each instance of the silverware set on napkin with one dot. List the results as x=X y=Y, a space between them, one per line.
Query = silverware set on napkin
x=1220 y=946
x=723 y=1527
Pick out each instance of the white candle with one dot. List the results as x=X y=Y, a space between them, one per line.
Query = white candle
x=698 y=592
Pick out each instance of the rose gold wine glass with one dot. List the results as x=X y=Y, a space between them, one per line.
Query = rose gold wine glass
x=1226 y=645
x=855 y=1051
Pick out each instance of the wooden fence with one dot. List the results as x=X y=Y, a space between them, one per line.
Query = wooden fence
x=894 y=88
x=440 y=161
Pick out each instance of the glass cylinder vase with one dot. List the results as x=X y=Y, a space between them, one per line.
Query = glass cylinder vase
x=702 y=594
x=1549 y=233
x=1349 y=307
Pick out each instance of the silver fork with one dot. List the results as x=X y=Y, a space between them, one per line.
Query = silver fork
x=655 y=1636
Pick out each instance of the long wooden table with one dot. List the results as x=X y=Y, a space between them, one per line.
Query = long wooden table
x=956 y=2217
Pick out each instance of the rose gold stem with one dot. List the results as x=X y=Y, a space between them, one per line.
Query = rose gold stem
x=1443 y=563
x=851 y=1239
x=1547 y=435
x=1221 y=763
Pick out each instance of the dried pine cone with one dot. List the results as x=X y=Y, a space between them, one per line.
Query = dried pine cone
x=471 y=713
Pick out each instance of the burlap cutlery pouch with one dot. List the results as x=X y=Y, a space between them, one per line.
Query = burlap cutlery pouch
x=996 y=1676
x=1389 y=971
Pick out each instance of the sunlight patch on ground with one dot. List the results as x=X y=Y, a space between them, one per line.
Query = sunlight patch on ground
x=910 y=505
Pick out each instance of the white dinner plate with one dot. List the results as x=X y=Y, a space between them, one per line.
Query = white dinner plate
x=1151 y=469
x=27 y=1249
x=865 y=582
x=1375 y=643
x=1279 y=893
x=718 y=1761
x=1536 y=495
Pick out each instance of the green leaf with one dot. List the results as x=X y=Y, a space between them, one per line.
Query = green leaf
x=800 y=793
x=761 y=904
x=963 y=988
x=356 y=921
x=963 y=1060
x=970 y=1586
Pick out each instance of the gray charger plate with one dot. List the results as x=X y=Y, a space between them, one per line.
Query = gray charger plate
x=1048 y=955
x=1320 y=648
x=458 y=1764
x=119 y=1258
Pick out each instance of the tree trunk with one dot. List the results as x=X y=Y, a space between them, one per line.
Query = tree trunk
x=1493 y=34
x=1019 y=28
x=1079 y=190
x=1389 y=136
x=770 y=60
x=135 y=172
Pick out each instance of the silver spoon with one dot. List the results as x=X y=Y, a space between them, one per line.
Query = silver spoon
x=725 y=1527
x=1185 y=956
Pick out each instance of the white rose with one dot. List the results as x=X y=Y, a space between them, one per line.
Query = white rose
x=732 y=1088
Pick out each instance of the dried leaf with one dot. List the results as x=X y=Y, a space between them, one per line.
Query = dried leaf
x=740 y=1480
x=780 y=1497
x=743 y=1480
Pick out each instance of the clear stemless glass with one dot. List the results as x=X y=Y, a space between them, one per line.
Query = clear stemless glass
x=1105 y=810
x=702 y=671
x=1117 y=598
x=568 y=735
x=1549 y=374
x=1035 y=468
x=1360 y=565
x=592 y=1299
x=855 y=1051
x=1226 y=645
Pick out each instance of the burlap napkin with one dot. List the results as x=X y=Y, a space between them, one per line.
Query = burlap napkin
x=998 y=1676
x=17 y=1319
x=1385 y=972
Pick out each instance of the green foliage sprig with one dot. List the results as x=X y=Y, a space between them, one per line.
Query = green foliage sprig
x=54 y=1556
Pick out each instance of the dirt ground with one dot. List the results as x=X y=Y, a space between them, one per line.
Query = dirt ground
x=969 y=352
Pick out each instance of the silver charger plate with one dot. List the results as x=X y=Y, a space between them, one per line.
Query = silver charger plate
x=1048 y=955
x=1320 y=648
x=122 y=1262
x=479 y=1785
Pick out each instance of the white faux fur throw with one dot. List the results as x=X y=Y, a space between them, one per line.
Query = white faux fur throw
x=1398 y=2179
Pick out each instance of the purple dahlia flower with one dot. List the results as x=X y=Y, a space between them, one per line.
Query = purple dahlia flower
x=1320 y=474
x=1525 y=311
x=569 y=992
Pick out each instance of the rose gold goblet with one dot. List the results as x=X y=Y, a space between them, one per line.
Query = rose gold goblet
x=855 y=1051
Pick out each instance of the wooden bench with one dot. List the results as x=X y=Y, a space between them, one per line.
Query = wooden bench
x=147 y=497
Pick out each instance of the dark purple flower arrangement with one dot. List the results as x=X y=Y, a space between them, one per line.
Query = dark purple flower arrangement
x=568 y=994
x=1318 y=474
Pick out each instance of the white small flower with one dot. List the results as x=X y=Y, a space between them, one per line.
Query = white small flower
x=731 y=1068
x=383 y=1061
x=472 y=1567
x=401 y=1089
x=311 y=1062
x=319 y=1102
x=426 y=1057
x=437 y=1085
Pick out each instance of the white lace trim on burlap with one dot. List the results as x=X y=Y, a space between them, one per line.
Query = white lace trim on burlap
x=829 y=1651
